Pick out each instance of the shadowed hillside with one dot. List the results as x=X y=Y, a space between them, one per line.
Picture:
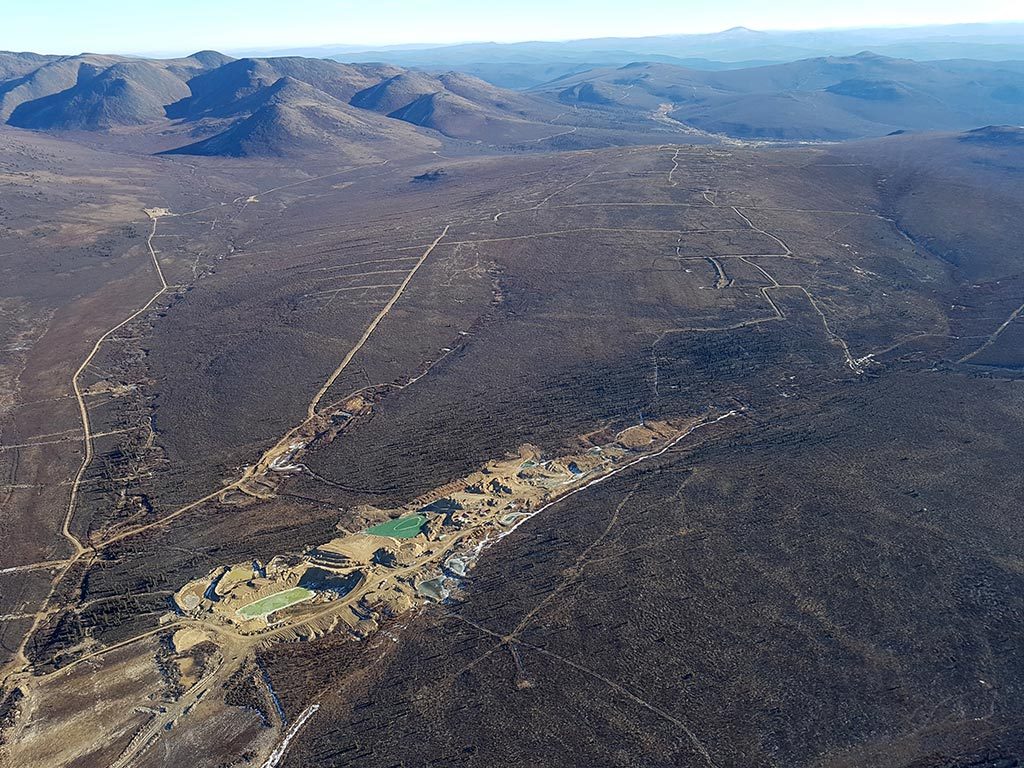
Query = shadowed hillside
x=459 y=106
x=291 y=117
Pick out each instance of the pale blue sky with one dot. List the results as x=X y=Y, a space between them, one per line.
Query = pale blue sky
x=118 y=26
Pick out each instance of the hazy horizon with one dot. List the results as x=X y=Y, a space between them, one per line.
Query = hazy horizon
x=112 y=26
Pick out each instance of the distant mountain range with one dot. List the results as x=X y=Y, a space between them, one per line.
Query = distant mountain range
x=211 y=104
x=253 y=107
x=526 y=64
x=829 y=98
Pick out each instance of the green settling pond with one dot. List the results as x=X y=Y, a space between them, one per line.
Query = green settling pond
x=275 y=602
x=407 y=527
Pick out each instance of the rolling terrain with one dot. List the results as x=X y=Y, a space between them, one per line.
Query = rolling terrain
x=832 y=98
x=663 y=410
x=210 y=104
x=527 y=64
x=711 y=450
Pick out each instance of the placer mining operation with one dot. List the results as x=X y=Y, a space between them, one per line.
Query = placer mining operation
x=419 y=551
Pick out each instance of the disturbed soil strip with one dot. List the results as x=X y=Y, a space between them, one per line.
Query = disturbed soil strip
x=76 y=545
x=42 y=565
x=538 y=205
x=992 y=338
x=311 y=411
x=278 y=754
x=675 y=167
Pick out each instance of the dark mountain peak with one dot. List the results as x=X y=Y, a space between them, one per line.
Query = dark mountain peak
x=287 y=82
x=288 y=88
x=245 y=64
x=211 y=59
x=862 y=59
x=586 y=93
x=996 y=136
x=396 y=92
x=454 y=79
